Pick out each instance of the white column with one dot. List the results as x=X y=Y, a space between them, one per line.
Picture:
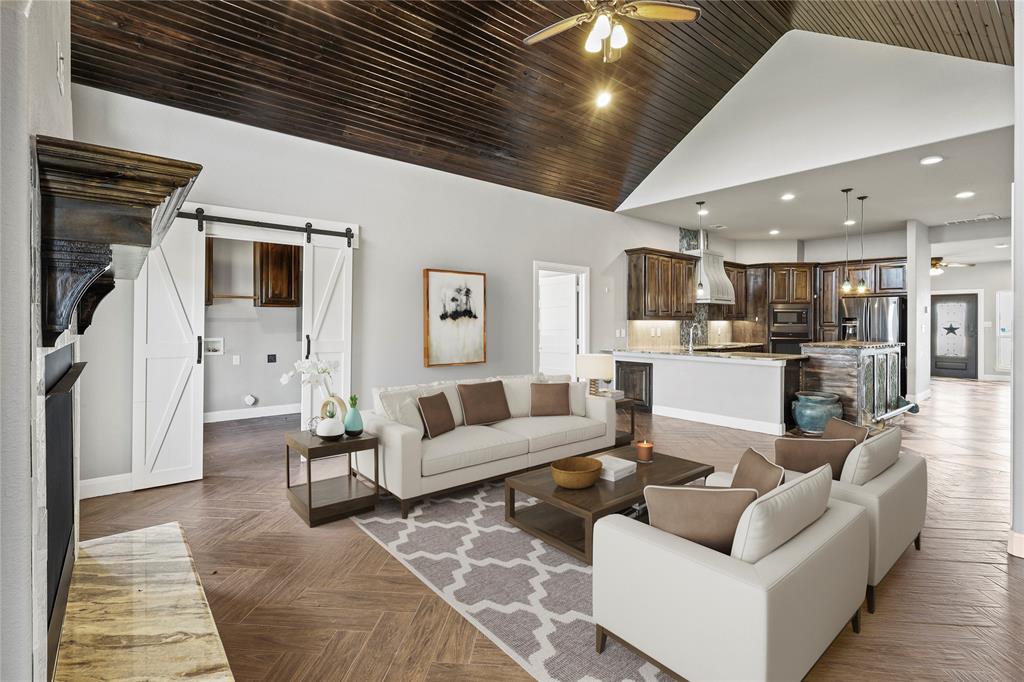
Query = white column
x=1016 y=541
x=919 y=296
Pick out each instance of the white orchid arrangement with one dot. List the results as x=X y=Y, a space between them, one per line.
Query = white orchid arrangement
x=313 y=372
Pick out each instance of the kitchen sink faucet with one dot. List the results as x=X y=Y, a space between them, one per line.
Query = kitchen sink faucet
x=693 y=328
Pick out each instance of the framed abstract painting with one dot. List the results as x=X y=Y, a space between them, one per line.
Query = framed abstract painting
x=454 y=317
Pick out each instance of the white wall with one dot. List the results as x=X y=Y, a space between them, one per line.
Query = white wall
x=876 y=245
x=768 y=250
x=411 y=218
x=802 y=106
x=251 y=333
x=990 y=278
x=30 y=102
x=919 y=321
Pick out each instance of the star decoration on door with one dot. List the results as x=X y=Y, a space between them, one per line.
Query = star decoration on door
x=951 y=330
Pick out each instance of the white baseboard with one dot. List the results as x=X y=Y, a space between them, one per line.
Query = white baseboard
x=104 y=485
x=775 y=429
x=251 y=412
x=995 y=377
x=919 y=397
x=1015 y=546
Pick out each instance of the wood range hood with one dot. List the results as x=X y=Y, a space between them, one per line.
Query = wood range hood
x=101 y=211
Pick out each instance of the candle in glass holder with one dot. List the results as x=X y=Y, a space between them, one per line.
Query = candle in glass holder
x=645 y=451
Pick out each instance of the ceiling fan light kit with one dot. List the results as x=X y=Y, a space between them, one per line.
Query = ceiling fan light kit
x=608 y=33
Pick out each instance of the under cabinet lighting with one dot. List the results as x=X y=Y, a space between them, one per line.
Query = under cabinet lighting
x=931 y=160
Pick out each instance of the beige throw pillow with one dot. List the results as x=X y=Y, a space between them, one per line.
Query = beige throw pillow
x=807 y=454
x=436 y=414
x=872 y=457
x=775 y=518
x=484 y=402
x=837 y=428
x=707 y=516
x=755 y=471
x=549 y=400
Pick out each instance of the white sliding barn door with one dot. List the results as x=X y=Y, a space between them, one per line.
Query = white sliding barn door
x=327 y=313
x=167 y=416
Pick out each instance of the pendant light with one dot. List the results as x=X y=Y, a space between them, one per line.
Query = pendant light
x=862 y=287
x=700 y=215
x=847 y=287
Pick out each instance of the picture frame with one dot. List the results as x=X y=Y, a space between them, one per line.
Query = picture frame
x=454 y=317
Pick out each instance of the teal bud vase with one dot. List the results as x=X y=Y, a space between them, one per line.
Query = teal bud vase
x=353 y=422
x=812 y=410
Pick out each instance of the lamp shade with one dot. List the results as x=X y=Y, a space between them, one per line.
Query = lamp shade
x=595 y=366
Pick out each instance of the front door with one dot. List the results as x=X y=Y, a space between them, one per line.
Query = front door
x=955 y=336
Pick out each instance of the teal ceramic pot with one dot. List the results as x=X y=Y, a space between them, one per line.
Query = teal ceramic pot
x=353 y=422
x=812 y=410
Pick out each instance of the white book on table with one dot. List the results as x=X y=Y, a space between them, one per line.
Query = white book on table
x=615 y=468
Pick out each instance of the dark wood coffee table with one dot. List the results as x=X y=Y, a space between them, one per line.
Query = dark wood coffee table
x=565 y=518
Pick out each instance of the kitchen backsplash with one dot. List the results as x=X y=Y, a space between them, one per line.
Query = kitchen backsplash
x=652 y=334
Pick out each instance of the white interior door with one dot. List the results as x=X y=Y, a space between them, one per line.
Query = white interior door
x=327 y=312
x=167 y=415
x=557 y=323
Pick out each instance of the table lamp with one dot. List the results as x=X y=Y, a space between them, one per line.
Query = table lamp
x=595 y=367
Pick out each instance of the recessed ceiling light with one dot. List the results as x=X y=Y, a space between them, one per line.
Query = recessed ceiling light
x=849 y=221
x=604 y=98
x=966 y=194
x=773 y=232
x=719 y=227
x=788 y=196
x=1002 y=246
x=931 y=160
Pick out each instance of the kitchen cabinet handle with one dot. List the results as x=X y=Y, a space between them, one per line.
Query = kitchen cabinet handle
x=307 y=346
x=199 y=350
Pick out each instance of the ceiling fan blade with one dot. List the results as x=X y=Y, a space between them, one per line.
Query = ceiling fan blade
x=558 y=27
x=654 y=10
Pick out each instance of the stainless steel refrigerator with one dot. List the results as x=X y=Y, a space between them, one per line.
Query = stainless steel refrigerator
x=877 y=318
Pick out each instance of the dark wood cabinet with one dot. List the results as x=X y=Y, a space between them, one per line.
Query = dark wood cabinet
x=891 y=277
x=277 y=275
x=857 y=273
x=738 y=278
x=829 y=278
x=635 y=380
x=660 y=285
x=757 y=294
x=790 y=284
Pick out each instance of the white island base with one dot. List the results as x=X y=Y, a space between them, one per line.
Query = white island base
x=738 y=390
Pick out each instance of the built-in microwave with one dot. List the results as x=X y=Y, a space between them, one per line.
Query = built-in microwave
x=791 y=318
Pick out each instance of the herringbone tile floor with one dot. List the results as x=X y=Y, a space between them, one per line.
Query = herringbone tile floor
x=329 y=604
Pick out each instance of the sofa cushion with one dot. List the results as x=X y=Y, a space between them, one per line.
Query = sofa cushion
x=707 y=516
x=399 y=405
x=807 y=454
x=872 y=457
x=483 y=403
x=549 y=400
x=517 y=393
x=775 y=518
x=550 y=432
x=755 y=471
x=577 y=392
x=837 y=428
x=436 y=413
x=467 y=446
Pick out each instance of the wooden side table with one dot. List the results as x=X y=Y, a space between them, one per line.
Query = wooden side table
x=330 y=499
x=626 y=437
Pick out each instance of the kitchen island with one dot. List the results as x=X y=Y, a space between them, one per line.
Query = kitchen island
x=740 y=390
x=866 y=375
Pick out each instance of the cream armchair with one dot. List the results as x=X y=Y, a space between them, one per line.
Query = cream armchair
x=705 y=615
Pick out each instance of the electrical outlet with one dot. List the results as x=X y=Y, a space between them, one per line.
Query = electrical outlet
x=236 y=359
x=272 y=357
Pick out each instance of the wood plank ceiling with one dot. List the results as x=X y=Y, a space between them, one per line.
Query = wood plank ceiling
x=448 y=84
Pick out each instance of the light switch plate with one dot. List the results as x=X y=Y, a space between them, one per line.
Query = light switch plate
x=236 y=359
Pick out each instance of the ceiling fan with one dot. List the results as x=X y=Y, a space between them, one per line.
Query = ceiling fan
x=940 y=264
x=608 y=35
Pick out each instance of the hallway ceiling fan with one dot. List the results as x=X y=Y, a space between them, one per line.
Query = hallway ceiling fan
x=608 y=34
x=940 y=264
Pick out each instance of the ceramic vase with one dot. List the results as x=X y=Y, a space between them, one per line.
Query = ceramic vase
x=353 y=422
x=813 y=409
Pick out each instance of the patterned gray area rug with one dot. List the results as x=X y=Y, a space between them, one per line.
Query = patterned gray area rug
x=530 y=599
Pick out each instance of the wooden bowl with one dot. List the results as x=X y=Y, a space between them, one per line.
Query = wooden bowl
x=575 y=472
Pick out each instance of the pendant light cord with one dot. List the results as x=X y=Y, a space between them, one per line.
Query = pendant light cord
x=861 y=199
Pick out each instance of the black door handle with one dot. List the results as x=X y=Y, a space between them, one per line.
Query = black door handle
x=199 y=350
x=307 y=346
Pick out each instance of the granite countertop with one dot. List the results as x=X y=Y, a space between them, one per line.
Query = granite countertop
x=852 y=344
x=739 y=355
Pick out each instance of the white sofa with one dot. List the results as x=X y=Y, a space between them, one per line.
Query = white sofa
x=705 y=615
x=896 y=500
x=413 y=466
x=708 y=615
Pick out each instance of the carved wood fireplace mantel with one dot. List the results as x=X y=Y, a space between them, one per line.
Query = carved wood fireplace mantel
x=101 y=211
